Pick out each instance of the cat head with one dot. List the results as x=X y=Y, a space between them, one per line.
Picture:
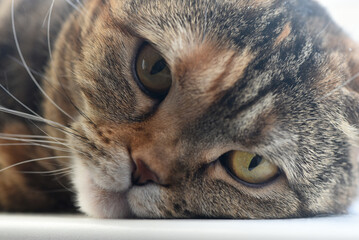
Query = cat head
x=237 y=109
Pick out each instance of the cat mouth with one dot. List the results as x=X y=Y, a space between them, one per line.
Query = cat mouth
x=96 y=201
x=133 y=202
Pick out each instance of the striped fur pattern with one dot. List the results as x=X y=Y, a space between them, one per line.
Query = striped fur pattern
x=273 y=77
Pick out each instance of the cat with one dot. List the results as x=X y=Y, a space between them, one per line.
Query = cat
x=177 y=109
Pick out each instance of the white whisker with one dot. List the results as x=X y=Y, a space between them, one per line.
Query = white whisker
x=48 y=28
x=45 y=19
x=18 y=101
x=6 y=80
x=36 y=144
x=42 y=142
x=56 y=140
x=30 y=110
x=33 y=160
x=31 y=140
x=22 y=104
x=37 y=115
x=56 y=191
x=339 y=87
x=33 y=136
x=26 y=66
x=74 y=6
x=58 y=126
x=64 y=175
x=57 y=171
x=32 y=117
x=324 y=30
x=21 y=64
x=80 y=3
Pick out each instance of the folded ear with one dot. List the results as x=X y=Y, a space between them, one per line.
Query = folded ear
x=352 y=50
x=350 y=99
x=349 y=122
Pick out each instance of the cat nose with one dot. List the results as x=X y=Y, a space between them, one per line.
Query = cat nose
x=142 y=173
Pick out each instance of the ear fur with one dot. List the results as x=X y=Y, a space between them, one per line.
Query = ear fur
x=351 y=96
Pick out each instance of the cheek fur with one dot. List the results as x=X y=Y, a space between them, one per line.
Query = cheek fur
x=110 y=170
x=112 y=174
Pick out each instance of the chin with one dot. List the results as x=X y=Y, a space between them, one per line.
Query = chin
x=96 y=201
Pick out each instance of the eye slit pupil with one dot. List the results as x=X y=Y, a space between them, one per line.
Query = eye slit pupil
x=158 y=67
x=255 y=162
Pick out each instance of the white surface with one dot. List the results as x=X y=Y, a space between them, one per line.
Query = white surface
x=78 y=227
x=345 y=13
x=59 y=227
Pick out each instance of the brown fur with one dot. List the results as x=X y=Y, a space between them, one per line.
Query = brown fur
x=284 y=34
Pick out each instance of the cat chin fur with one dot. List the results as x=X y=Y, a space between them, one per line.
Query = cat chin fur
x=95 y=201
x=144 y=201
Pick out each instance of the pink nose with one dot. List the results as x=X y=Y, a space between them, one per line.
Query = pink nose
x=142 y=174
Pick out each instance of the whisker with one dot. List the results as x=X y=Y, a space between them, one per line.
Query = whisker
x=26 y=66
x=56 y=191
x=74 y=105
x=17 y=100
x=32 y=136
x=31 y=140
x=37 y=73
x=62 y=185
x=36 y=144
x=324 y=30
x=32 y=117
x=339 y=87
x=48 y=28
x=50 y=172
x=45 y=19
x=41 y=142
x=6 y=80
x=80 y=3
x=63 y=93
x=64 y=173
x=56 y=125
x=33 y=160
x=74 y=6
x=64 y=140
x=39 y=117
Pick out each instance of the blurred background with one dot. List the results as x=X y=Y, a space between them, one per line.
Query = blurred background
x=346 y=14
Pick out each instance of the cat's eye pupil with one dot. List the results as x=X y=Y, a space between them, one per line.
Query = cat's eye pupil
x=249 y=168
x=152 y=73
x=158 y=67
x=255 y=162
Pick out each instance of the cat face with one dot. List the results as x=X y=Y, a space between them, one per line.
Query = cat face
x=207 y=108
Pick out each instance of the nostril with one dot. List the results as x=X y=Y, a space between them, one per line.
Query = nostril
x=142 y=174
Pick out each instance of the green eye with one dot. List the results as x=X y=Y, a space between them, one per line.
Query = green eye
x=153 y=75
x=249 y=168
